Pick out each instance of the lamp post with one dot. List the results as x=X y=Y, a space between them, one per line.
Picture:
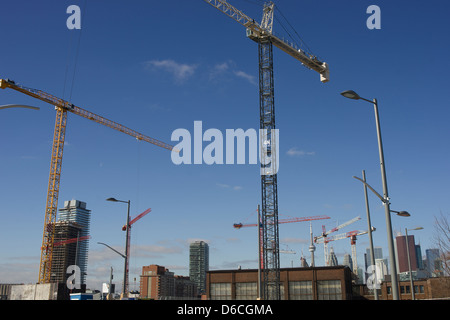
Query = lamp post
x=413 y=296
x=125 y=273
x=353 y=95
x=399 y=213
x=372 y=255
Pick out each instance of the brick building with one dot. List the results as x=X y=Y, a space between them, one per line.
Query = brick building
x=431 y=288
x=312 y=283
x=159 y=283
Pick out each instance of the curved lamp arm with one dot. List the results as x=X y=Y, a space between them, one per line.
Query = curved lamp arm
x=18 y=106
x=122 y=255
x=376 y=193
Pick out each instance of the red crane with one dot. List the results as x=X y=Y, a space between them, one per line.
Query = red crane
x=289 y=220
x=60 y=243
x=124 y=228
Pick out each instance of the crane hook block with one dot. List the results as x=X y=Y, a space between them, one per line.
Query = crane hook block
x=325 y=75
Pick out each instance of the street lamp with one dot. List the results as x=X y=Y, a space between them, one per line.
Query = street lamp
x=402 y=213
x=413 y=296
x=125 y=273
x=372 y=255
x=353 y=95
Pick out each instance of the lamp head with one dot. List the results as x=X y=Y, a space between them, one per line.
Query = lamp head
x=403 y=213
x=112 y=199
x=351 y=94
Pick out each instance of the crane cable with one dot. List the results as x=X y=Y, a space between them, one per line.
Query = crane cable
x=77 y=50
x=303 y=43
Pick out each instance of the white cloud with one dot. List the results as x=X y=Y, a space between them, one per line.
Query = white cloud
x=228 y=68
x=221 y=67
x=294 y=240
x=227 y=186
x=180 y=71
x=245 y=76
x=295 y=152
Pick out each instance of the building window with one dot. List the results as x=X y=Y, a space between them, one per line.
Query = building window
x=220 y=291
x=408 y=290
x=402 y=289
x=300 y=290
x=389 y=290
x=422 y=289
x=329 y=290
x=246 y=291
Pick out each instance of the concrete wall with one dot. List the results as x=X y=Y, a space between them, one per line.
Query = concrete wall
x=45 y=291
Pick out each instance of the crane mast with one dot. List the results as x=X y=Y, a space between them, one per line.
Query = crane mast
x=262 y=34
x=51 y=207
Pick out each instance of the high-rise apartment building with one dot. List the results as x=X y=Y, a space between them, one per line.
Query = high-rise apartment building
x=381 y=268
x=434 y=263
x=75 y=214
x=199 y=264
x=378 y=254
x=64 y=255
x=348 y=261
x=419 y=257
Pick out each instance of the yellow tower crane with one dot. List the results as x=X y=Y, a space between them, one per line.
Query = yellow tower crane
x=62 y=107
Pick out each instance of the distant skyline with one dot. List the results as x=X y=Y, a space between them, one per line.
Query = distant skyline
x=156 y=67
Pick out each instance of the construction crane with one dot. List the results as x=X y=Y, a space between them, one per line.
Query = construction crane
x=352 y=235
x=280 y=221
x=127 y=250
x=326 y=233
x=263 y=35
x=62 y=107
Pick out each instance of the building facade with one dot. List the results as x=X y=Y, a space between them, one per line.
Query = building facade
x=312 y=283
x=158 y=283
x=332 y=259
x=434 y=263
x=402 y=254
x=431 y=288
x=64 y=255
x=199 y=264
x=75 y=211
x=348 y=261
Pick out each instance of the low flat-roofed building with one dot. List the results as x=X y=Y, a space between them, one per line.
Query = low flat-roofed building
x=310 y=283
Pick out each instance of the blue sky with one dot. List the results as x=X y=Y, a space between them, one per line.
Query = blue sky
x=156 y=66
